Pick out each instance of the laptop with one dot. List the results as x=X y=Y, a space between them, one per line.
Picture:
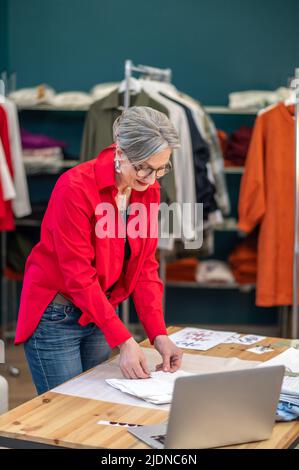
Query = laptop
x=218 y=409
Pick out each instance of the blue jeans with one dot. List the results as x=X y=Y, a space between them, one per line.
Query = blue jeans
x=60 y=348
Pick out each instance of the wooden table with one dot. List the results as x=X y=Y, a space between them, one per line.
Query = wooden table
x=56 y=420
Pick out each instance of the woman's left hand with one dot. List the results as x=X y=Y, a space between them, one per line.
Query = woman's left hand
x=171 y=354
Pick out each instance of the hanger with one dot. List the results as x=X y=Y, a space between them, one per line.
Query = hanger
x=291 y=99
x=134 y=86
x=3 y=81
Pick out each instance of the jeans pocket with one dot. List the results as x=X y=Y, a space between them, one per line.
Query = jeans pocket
x=55 y=313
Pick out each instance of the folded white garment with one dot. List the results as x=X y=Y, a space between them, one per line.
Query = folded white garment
x=214 y=271
x=71 y=99
x=32 y=96
x=158 y=389
x=257 y=98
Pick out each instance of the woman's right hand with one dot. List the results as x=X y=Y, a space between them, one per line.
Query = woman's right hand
x=132 y=361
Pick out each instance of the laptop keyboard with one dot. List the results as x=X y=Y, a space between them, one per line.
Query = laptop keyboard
x=160 y=438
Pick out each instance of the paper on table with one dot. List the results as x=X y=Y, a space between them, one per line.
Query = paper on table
x=198 y=338
x=93 y=384
x=246 y=340
x=260 y=349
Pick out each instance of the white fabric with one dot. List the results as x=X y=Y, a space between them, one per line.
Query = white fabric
x=216 y=165
x=182 y=157
x=103 y=89
x=8 y=189
x=3 y=395
x=32 y=96
x=21 y=203
x=71 y=99
x=158 y=389
x=214 y=271
x=257 y=98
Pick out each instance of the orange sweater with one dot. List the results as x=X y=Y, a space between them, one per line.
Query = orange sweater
x=267 y=198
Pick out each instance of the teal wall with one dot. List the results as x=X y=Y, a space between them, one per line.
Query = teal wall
x=212 y=46
x=3 y=35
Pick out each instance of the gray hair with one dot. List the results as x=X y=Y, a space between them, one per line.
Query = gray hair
x=141 y=131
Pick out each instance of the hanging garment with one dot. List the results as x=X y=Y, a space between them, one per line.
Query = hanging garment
x=8 y=189
x=6 y=221
x=267 y=199
x=72 y=259
x=101 y=90
x=243 y=260
x=182 y=159
x=21 y=203
x=98 y=133
x=208 y=132
x=205 y=190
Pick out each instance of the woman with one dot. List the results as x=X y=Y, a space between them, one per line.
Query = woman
x=76 y=276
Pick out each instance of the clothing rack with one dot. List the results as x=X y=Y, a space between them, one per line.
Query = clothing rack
x=294 y=324
x=147 y=71
x=151 y=73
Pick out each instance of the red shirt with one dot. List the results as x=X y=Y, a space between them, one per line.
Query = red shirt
x=72 y=260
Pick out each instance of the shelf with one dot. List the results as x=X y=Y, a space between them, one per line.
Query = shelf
x=48 y=107
x=227 y=110
x=48 y=170
x=231 y=170
x=197 y=285
x=209 y=109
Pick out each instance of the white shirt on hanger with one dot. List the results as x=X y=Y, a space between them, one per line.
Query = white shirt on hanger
x=8 y=188
x=182 y=157
x=21 y=203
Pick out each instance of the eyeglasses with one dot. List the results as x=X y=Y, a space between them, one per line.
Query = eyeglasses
x=143 y=171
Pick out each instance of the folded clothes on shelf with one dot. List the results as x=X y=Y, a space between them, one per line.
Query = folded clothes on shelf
x=41 y=94
x=71 y=99
x=44 y=152
x=237 y=146
x=214 y=272
x=182 y=270
x=38 y=141
x=256 y=99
